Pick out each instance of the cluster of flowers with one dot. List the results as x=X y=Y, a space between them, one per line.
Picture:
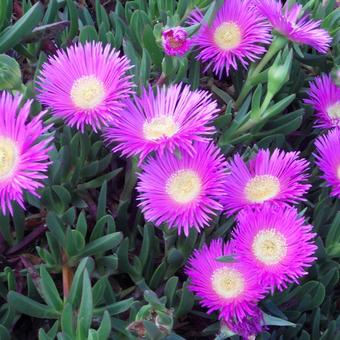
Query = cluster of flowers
x=241 y=29
x=185 y=180
x=271 y=245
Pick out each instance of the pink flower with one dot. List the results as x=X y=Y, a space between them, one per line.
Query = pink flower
x=324 y=96
x=227 y=287
x=275 y=243
x=183 y=191
x=237 y=34
x=173 y=117
x=175 y=41
x=23 y=152
x=278 y=178
x=328 y=159
x=85 y=85
x=287 y=21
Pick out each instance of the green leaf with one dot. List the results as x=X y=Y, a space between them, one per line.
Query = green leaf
x=75 y=242
x=101 y=207
x=75 y=291
x=88 y=33
x=102 y=244
x=27 y=306
x=145 y=66
x=67 y=320
x=86 y=307
x=73 y=16
x=97 y=182
x=23 y=27
x=270 y=320
x=152 y=47
x=115 y=308
x=50 y=291
x=104 y=329
x=82 y=224
x=170 y=291
x=56 y=228
x=186 y=301
x=226 y=259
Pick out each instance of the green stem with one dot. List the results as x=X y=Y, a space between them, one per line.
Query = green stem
x=278 y=43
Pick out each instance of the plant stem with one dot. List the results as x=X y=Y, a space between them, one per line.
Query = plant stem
x=278 y=43
x=67 y=277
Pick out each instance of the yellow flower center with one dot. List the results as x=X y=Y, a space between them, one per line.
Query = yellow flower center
x=87 y=92
x=334 y=110
x=161 y=126
x=262 y=188
x=227 y=283
x=184 y=186
x=269 y=246
x=227 y=36
x=8 y=157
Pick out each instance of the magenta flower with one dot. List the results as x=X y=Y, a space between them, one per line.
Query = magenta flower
x=85 y=85
x=328 y=159
x=227 y=287
x=183 y=191
x=324 y=96
x=279 y=178
x=175 y=41
x=249 y=326
x=287 y=21
x=237 y=34
x=276 y=243
x=23 y=153
x=173 y=117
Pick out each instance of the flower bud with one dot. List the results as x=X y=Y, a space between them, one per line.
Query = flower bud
x=278 y=73
x=175 y=41
x=10 y=74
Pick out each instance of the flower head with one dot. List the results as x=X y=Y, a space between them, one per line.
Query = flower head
x=288 y=21
x=228 y=287
x=175 y=41
x=182 y=191
x=328 y=159
x=23 y=154
x=236 y=35
x=171 y=118
x=85 y=85
x=278 y=178
x=276 y=243
x=324 y=96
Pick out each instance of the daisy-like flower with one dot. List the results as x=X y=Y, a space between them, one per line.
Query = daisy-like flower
x=276 y=243
x=328 y=159
x=278 y=178
x=324 y=96
x=175 y=41
x=183 y=191
x=85 y=85
x=237 y=34
x=230 y=288
x=290 y=22
x=171 y=118
x=23 y=154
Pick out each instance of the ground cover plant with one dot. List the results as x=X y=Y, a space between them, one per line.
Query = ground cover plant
x=169 y=169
